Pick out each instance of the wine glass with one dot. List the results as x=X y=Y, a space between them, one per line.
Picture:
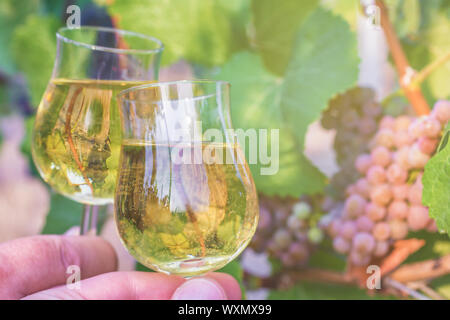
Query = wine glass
x=185 y=199
x=76 y=135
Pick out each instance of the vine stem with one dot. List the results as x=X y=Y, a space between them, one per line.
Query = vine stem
x=413 y=93
x=425 y=72
x=423 y=270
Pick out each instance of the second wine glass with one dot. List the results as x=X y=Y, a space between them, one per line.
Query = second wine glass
x=76 y=136
x=185 y=199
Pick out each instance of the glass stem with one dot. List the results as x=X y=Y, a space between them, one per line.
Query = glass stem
x=94 y=219
x=84 y=227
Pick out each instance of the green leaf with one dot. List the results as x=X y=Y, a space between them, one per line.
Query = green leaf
x=12 y=14
x=324 y=63
x=428 y=43
x=436 y=182
x=349 y=10
x=196 y=30
x=321 y=291
x=255 y=104
x=63 y=215
x=34 y=48
x=276 y=23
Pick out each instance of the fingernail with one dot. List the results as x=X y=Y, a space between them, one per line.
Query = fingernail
x=200 y=289
x=74 y=231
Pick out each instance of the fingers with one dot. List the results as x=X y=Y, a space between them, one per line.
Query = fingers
x=228 y=283
x=33 y=264
x=213 y=286
x=117 y=286
x=147 y=286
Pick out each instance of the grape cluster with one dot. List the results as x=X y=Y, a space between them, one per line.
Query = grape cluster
x=386 y=201
x=354 y=115
x=289 y=230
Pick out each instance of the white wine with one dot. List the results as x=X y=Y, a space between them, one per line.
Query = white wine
x=76 y=138
x=184 y=218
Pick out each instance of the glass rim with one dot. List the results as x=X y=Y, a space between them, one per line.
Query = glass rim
x=60 y=36
x=121 y=94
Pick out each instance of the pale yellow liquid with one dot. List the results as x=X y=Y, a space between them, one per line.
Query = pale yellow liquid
x=184 y=219
x=77 y=136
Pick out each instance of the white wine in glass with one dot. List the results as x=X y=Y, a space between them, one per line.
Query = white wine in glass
x=183 y=205
x=77 y=135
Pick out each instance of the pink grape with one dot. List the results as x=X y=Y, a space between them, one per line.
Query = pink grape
x=351 y=189
x=354 y=206
x=358 y=259
x=401 y=157
x=387 y=122
x=294 y=223
x=381 y=194
x=400 y=191
x=427 y=145
x=415 y=194
x=399 y=229
x=441 y=111
x=415 y=129
x=282 y=238
x=401 y=123
x=431 y=128
x=375 y=212
x=418 y=217
x=363 y=163
x=362 y=187
x=265 y=218
x=396 y=174
x=402 y=139
x=398 y=210
x=363 y=243
x=299 y=251
x=367 y=125
x=381 y=249
x=432 y=227
x=381 y=156
x=287 y=260
x=335 y=228
x=416 y=158
x=376 y=175
x=381 y=231
x=348 y=230
x=385 y=138
x=364 y=223
x=341 y=245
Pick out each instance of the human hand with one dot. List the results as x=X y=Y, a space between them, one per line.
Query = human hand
x=35 y=268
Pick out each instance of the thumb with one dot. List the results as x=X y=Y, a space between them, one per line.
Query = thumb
x=200 y=289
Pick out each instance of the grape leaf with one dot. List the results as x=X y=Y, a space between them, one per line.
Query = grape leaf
x=63 y=215
x=12 y=14
x=197 y=30
x=276 y=23
x=349 y=10
x=436 y=182
x=34 y=49
x=428 y=43
x=255 y=97
x=324 y=63
x=325 y=49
